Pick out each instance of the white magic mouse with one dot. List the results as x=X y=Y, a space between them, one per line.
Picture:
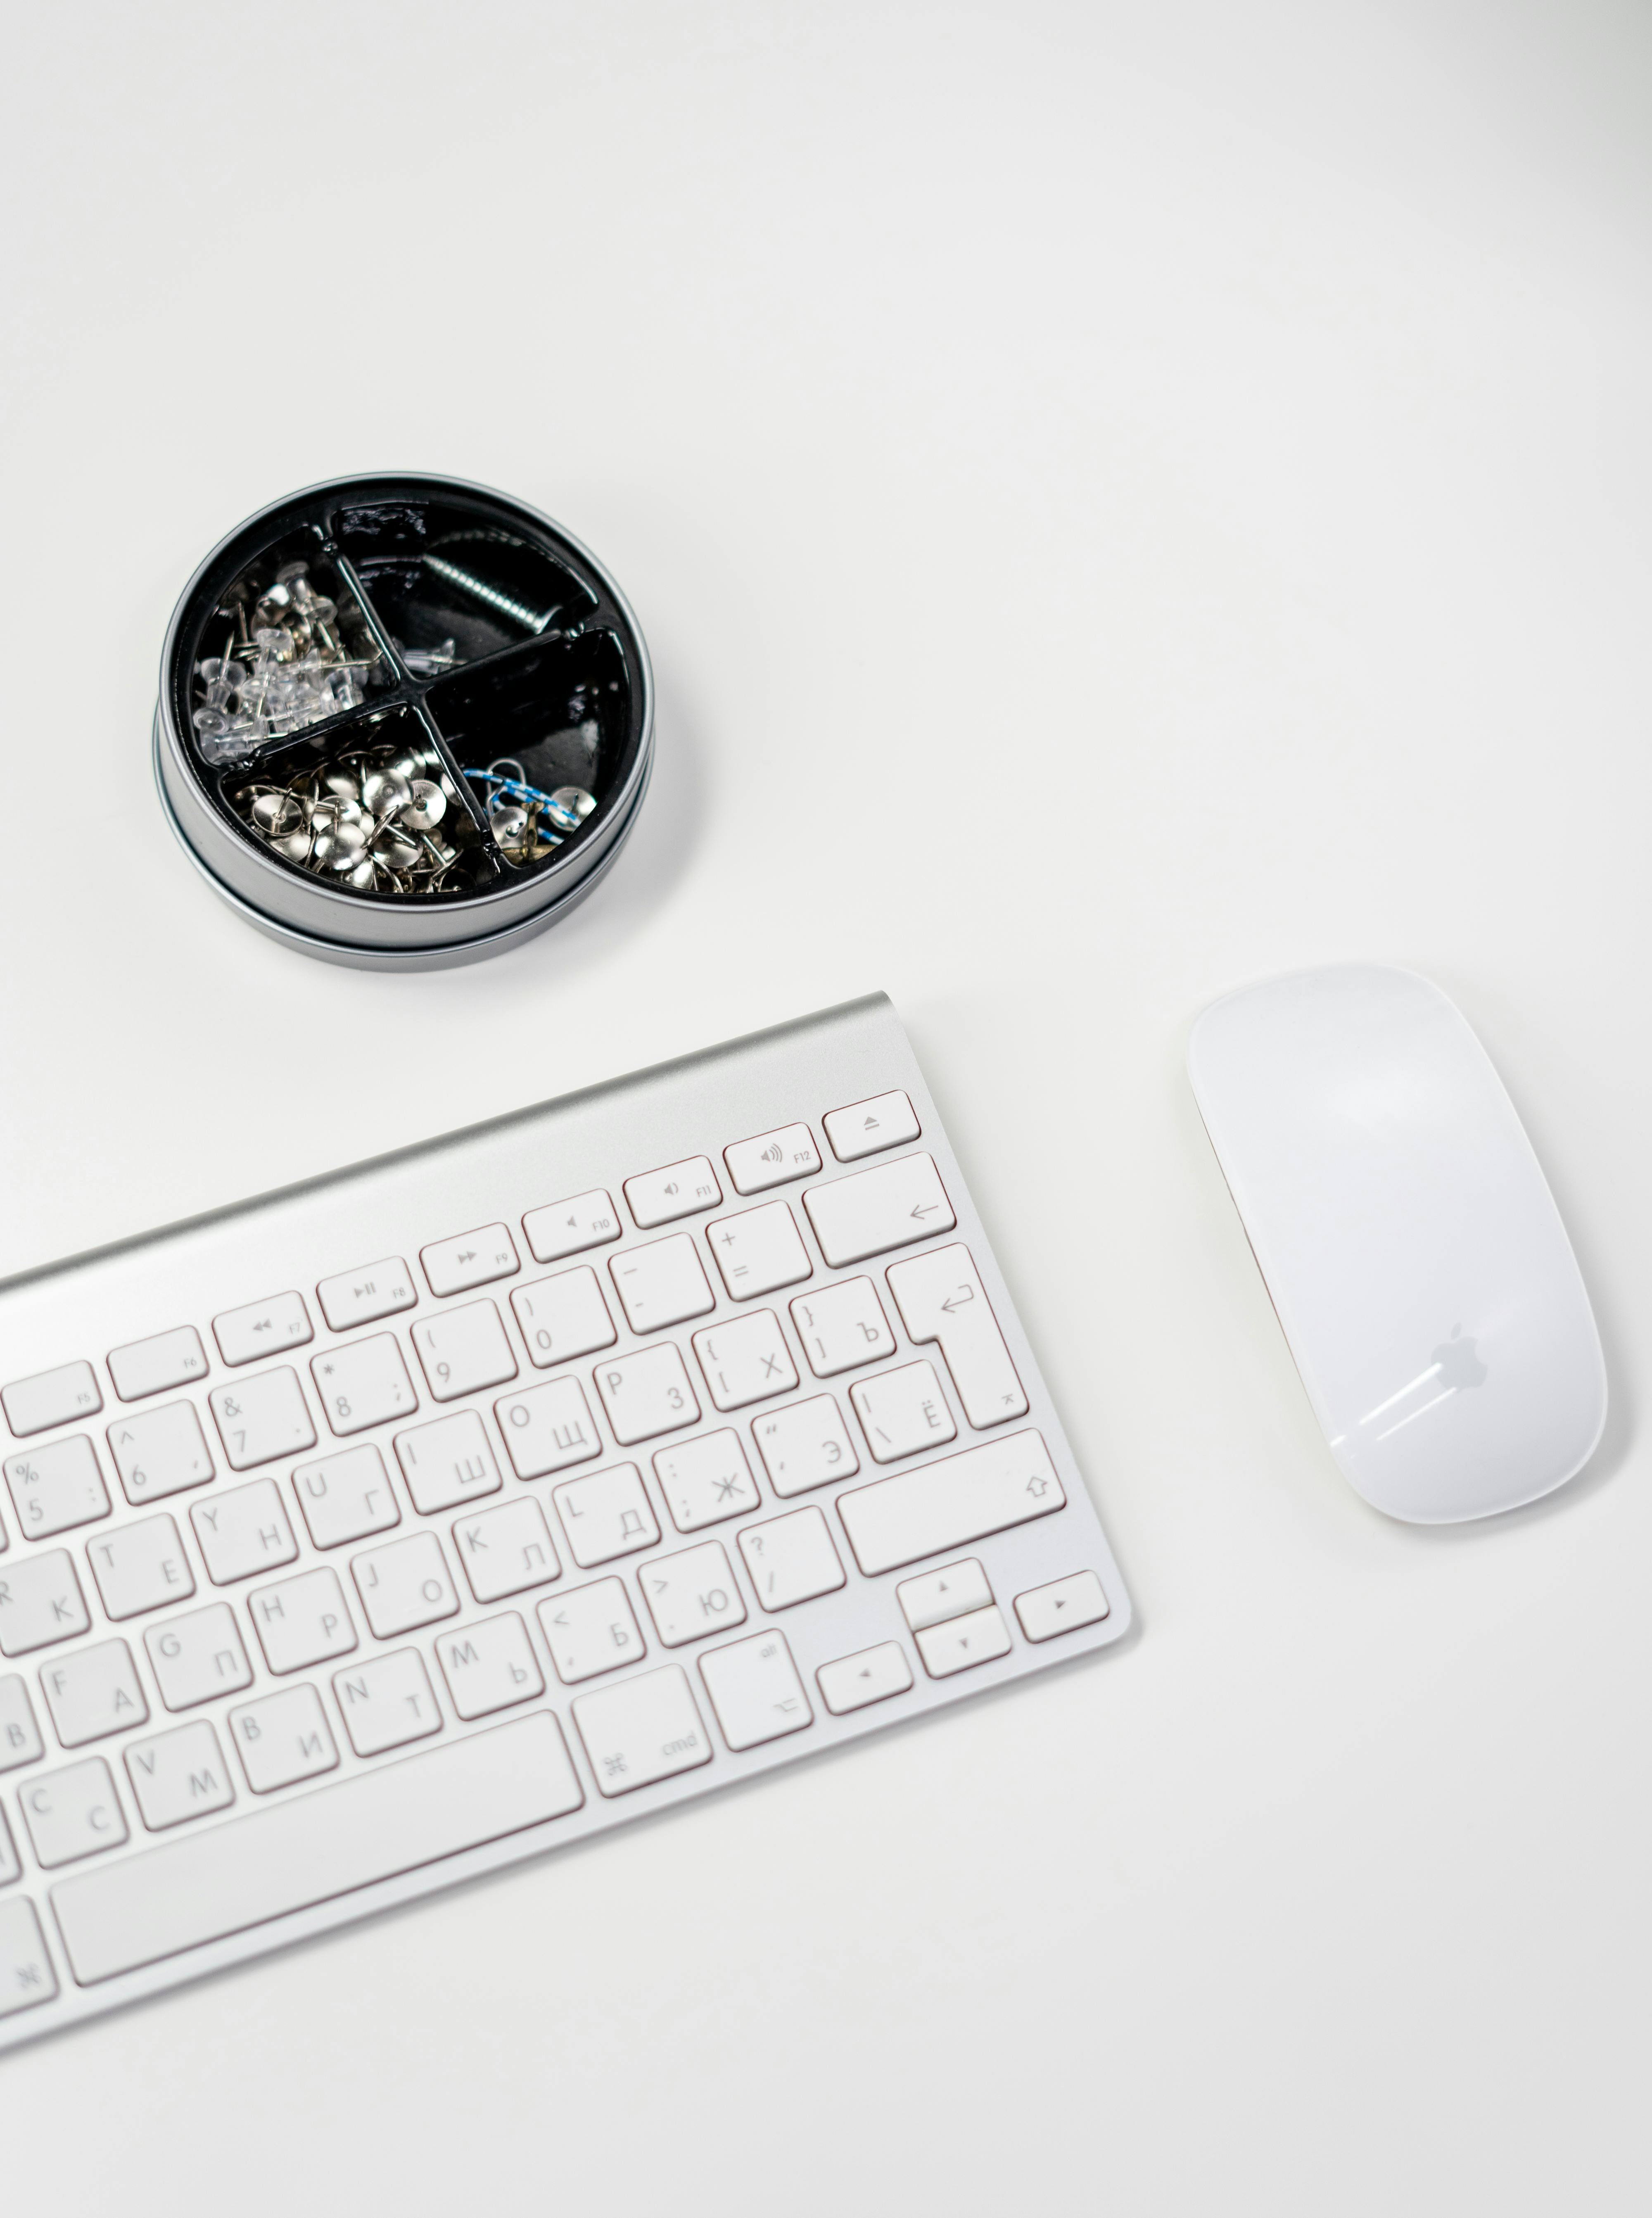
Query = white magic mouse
x=1409 y=1239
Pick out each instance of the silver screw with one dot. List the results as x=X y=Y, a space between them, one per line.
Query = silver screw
x=491 y=596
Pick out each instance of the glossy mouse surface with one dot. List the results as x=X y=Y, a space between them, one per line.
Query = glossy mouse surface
x=1409 y=1239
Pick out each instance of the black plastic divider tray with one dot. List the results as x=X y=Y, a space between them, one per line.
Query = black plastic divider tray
x=477 y=634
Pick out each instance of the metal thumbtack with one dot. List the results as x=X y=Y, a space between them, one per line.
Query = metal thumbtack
x=366 y=819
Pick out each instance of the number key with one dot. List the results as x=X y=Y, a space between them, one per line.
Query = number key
x=161 y=1452
x=365 y=1384
x=260 y=1417
x=57 y=1487
x=464 y=1350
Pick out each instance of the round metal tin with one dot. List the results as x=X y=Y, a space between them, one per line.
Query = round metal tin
x=502 y=695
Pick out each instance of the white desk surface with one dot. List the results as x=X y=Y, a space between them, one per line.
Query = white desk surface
x=1123 y=499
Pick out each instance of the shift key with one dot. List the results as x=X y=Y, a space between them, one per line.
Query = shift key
x=949 y=1503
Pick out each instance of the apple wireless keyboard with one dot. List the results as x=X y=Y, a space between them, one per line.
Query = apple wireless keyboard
x=403 y=1524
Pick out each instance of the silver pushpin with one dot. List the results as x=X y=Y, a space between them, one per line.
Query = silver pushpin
x=385 y=790
x=427 y=806
x=395 y=851
x=277 y=814
x=569 y=806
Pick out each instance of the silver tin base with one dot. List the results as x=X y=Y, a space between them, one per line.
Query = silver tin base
x=448 y=958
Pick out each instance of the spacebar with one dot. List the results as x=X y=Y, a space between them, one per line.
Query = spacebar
x=210 y=1885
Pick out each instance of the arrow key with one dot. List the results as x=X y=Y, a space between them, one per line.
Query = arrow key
x=1061 y=1607
x=873 y=1676
x=963 y=1642
x=953 y=1591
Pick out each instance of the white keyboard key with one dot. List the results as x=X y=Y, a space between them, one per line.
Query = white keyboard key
x=243 y=1531
x=755 y=1690
x=772 y=1159
x=151 y=1366
x=448 y=1462
x=1062 y=1605
x=647 y=1394
x=662 y=1284
x=791 y=1559
x=422 y=1809
x=386 y=1702
x=140 y=1567
x=953 y=1591
x=474 y=1258
x=57 y=1487
x=547 y=1428
x=263 y=1329
x=284 y=1737
x=26 y=1975
x=876 y=1210
x=963 y=1642
x=886 y=1121
x=506 y=1551
x=11 y=1864
x=940 y=1296
x=842 y=1327
x=568 y=1228
x=94 y=1692
x=489 y=1666
x=591 y=1631
x=642 y=1730
x=759 y=1250
x=679 y=1190
x=805 y=1445
x=161 y=1452
x=262 y=1417
x=902 y=1411
x=363 y=1383
x=705 y=1480
x=745 y=1360
x=51 y=1398
x=691 y=1595
x=302 y=1621
x=199 y=1656
x=345 y=1497
x=463 y=1351
x=178 y=1776
x=873 y=1676
x=73 y=1813
x=605 y=1515
x=949 y=1503
x=404 y=1584
x=356 y=1297
x=40 y=1601
x=564 y=1317
x=20 y=1737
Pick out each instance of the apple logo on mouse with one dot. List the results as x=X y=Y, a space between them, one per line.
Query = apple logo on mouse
x=1459 y=1364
